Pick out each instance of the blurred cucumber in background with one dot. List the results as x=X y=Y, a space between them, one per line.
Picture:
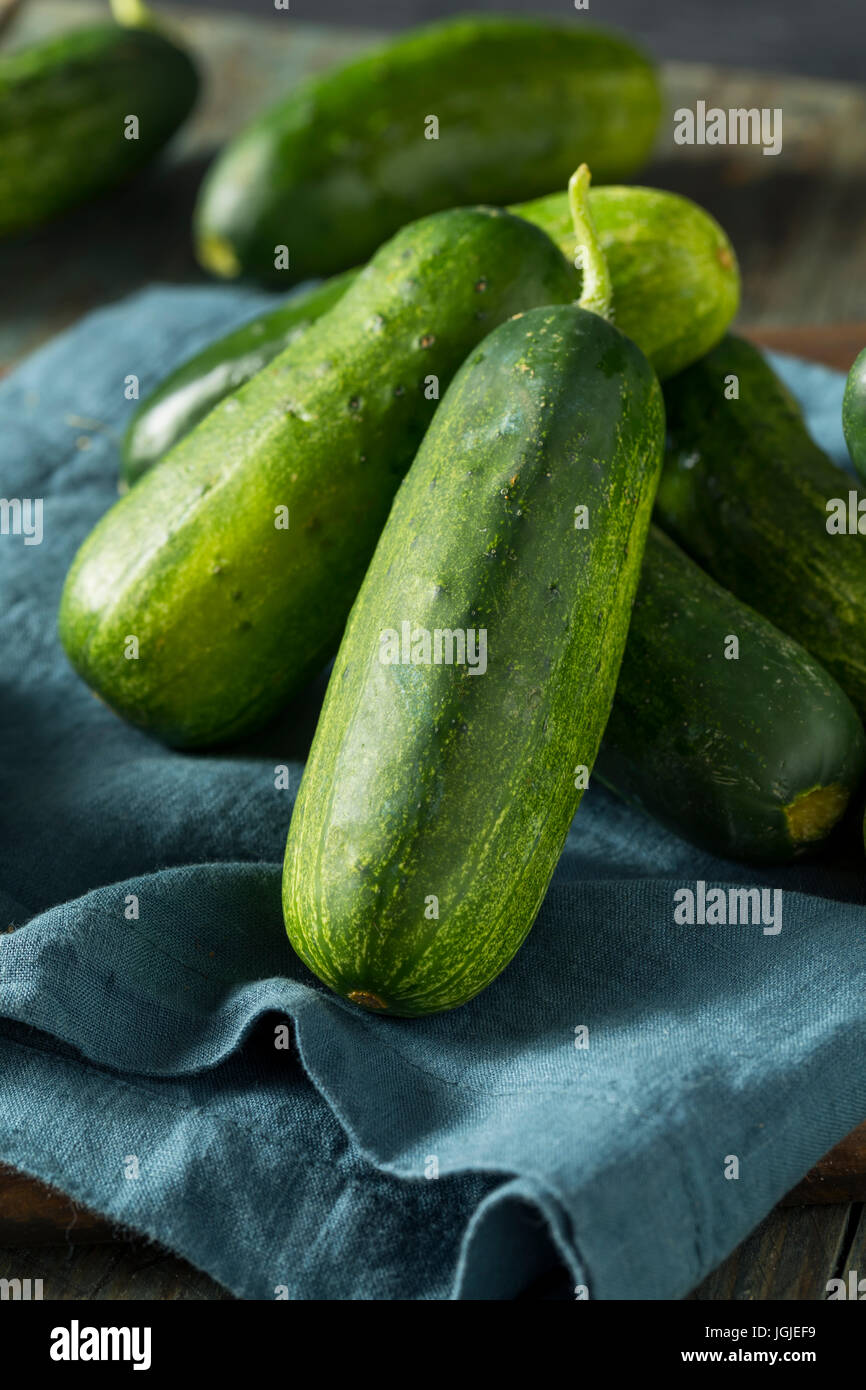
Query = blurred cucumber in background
x=83 y=111
x=470 y=110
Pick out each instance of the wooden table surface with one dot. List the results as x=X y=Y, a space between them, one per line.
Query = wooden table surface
x=799 y=225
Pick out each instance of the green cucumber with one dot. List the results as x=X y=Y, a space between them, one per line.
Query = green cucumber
x=347 y=158
x=65 y=104
x=234 y=562
x=676 y=290
x=186 y=396
x=754 y=757
x=437 y=797
x=750 y=496
x=676 y=285
x=854 y=414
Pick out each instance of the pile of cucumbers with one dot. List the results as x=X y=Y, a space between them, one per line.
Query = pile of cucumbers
x=454 y=470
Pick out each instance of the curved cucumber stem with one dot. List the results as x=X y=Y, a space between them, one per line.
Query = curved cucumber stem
x=133 y=14
x=589 y=257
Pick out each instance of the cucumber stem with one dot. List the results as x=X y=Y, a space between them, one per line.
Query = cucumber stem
x=589 y=257
x=133 y=14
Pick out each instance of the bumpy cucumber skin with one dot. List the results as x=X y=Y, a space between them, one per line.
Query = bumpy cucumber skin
x=676 y=284
x=426 y=780
x=718 y=749
x=854 y=414
x=233 y=616
x=63 y=105
x=184 y=398
x=343 y=161
x=745 y=490
x=676 y=291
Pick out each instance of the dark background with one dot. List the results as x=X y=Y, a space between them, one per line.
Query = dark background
x=824 y=38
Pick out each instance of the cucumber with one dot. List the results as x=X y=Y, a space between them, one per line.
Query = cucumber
x=676 y=290
x=747 y=493
x=437 y=798
x=854 y=414
x=232 y=612
x=346 y=159
x=755 y=758
x=64 y=107
x=675 y=277
x=184 y=397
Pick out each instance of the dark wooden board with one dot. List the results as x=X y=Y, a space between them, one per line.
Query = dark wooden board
x=32 y=1213
x=835 y=344
x=124 y=1270
x=790 y=1256
x=839 y=1177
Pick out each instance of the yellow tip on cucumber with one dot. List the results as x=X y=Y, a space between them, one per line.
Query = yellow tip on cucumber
x=132 y=14
x=366 y=999
x=812 y=815
x=218 y=256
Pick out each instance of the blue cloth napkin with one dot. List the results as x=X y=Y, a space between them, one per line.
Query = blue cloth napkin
x=182 y=1072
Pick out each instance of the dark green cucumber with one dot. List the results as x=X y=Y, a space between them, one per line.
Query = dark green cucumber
x=345 y=159
x=232 y=613
x=436 y=799
x=675 y=285
x=184 y=397
x=854 y=414
x=747 y=493
x=752 y=758
x=64 y=108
